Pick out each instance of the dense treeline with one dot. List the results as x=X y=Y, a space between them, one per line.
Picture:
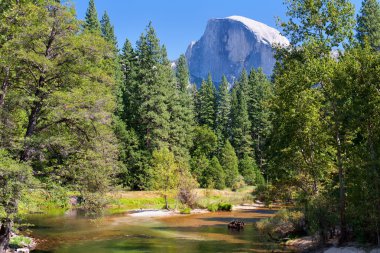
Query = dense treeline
x=324 y=147
x=78 y=113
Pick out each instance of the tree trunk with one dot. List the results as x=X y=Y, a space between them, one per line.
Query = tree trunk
x=5 y=234
x=32 y=121
x=166 y=202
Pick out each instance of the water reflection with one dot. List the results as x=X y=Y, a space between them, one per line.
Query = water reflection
x=74 y=233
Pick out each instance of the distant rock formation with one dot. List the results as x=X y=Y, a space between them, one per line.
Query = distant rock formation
x=230 y=44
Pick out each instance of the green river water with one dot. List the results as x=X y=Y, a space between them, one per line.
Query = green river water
x=74 y=233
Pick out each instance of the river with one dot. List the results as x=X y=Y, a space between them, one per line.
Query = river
x=75 y=233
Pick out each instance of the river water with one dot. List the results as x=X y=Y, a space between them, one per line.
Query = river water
x=75 y=233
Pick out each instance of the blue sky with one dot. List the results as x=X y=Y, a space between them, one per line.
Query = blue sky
x=178 y=22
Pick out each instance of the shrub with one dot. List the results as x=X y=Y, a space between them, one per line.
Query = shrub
x=266 y=193
x=282 y=224
x=186 y=194
x=225 y=207
x=186 y=210
x=238 y=183
x=219 y=207
x=212 y=207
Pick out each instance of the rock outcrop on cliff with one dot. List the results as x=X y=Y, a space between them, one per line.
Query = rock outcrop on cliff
x=230 y=44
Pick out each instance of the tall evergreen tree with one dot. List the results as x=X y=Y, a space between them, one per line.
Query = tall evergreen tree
x=368 y=21
x=182 y=74
x=206 y=103
x=108 y=31
x=92 y=23
x=240 y=125
x=129 y=90
x=259 y=101
x=223 y=111
x=182 y=112
x=230 y=164
x=155 y=86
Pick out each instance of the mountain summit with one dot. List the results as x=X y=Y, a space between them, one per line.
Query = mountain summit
x=230 y=44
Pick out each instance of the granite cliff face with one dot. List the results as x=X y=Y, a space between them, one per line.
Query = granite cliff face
x=230 y=44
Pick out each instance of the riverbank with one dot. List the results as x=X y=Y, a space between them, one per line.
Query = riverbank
x=123 y=201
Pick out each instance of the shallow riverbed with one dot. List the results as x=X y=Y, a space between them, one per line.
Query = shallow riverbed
x=205 y=232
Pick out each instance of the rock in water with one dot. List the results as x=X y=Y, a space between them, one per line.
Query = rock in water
x=230 y=44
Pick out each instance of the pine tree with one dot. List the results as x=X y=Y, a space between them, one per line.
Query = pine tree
x=182 y=112
x=250 y=171
x=92 y=23
x=182 y=74
x=129 y=89
x=240 y=124
x=223 y=111
x=259 y=98
x=214 y=176
x=206 y=103
x=368 y=21
x=242 y=84
x=230 y=164
x=155 y=88
x=108 y=31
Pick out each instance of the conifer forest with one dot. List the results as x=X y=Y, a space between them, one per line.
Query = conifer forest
x=82 y=115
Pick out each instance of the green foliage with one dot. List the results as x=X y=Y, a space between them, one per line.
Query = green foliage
x=107 y=28
x=186 y=210
x=260 y=97
x=284 y=224
x=61 y=97
x=205 y=142
x=15 y=179
x=213 y=176
x=205 y=103
x=368 y=20
x=229 y=162
x=19 y=241
x=223 y=107
x=92 y=23
x=219 y=207
x=212 y=207
x=182 y=113
x=199 y=167
x=225 y=207
x=165 y=172
x=241 y=137
x=324 y=22
x=250 y=171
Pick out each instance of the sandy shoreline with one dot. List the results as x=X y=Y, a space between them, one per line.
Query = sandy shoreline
x=165 y=213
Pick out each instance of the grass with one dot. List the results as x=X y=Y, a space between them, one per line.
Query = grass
x=223 y=199
x=124 y=201
x=41 y=201
x=207 y=197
